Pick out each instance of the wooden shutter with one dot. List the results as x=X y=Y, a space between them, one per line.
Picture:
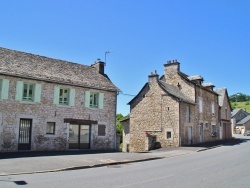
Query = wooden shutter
x=72 y=97
x=87 y=98
x=101 y=130
x=19 y=90
x=5 y=89
x=56 y=95
x=101 y=97
x=37 y=96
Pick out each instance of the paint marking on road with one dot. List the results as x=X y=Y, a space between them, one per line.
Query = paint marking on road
x=156 y=179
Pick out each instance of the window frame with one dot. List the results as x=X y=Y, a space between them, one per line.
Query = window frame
x=1 y=85
x=27 y=96
x=167 y=135
x=94 y=100
x=200 y=105
x=54 y=128
x=62 y=98
x=188 y=117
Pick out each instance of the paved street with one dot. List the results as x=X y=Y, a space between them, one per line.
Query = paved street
x=226 y=166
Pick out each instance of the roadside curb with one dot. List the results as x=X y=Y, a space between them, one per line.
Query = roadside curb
x=204 y=149
x=84 y=167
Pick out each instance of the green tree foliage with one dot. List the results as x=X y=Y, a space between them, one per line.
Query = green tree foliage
x=239 y=97
x=119 y=127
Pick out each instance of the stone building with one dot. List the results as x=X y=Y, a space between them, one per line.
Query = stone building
x=236 y=116
x=173 y=110
x=50 y=104
x=224 y=114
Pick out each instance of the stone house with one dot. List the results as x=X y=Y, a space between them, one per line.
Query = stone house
x=173 y=110
x=224 y=114
x=50 y=104
x=243 y=125
x=236 y=116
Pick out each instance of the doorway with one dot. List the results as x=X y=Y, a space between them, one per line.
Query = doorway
x=190 y=141
x=201 y=133
x=79 y=136
x=24 y=140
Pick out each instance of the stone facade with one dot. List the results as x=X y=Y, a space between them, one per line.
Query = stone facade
x=40 y=112
x=173 y=110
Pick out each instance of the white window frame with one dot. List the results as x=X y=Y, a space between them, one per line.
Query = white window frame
x=53 y=126
x=200 y=105
x=212 y=108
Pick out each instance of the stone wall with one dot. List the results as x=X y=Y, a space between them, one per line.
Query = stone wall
x=153 y=115
x=45 y=111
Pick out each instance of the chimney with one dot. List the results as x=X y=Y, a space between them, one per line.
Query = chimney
x=153 y=78
x=171 y=68
x=99 y=65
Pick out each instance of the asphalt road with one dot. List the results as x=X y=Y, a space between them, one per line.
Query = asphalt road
x=226 y=166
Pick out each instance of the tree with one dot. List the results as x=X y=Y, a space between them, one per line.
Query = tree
x=239 y=97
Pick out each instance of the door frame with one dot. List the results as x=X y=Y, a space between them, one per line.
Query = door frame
x=25 y=146
x=79 y=146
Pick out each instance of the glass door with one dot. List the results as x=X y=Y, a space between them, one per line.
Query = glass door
x=79 y=136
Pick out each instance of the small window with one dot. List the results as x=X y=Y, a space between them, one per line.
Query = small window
x=169 y=135
x=94 y=100
x=101 y=130
x=50 y=128
x=64 y=96
x=200 y=105
x=0 y=87
x=213 y=129
x=188 y=114
x=28 y=92
x=212 y=106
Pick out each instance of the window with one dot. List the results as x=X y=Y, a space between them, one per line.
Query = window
x=214 y=130
x=64 y=96
x=4 y=88
x=188 y=114
x=200 y=105
x=1 y=88
x=169 y=135
x=101 y=130
x=28 y=92
x=94 y=100
x=50 y=128
x=226 y=112
x=212 y=106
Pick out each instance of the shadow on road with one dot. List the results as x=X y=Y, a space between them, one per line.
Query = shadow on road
x=21 y=154
x=229 y=142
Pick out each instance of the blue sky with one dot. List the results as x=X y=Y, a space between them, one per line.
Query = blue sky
x=209 y=38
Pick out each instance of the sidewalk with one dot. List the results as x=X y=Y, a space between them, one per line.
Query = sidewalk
x=41 y=162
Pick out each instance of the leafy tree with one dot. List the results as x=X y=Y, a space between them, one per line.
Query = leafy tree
x=239 y=97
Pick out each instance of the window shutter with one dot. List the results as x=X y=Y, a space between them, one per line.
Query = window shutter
x=5 y=89
x=19 y=90
x=87 y=98
x=101 y=97
x=56 y=95
x=38 y=89
x=72 y=97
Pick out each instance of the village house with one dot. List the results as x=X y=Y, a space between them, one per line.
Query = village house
x=174 y=110
x=236 y=116
x=224 y=114
x=50 y=104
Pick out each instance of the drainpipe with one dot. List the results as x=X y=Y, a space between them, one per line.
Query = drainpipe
x=179 y=123
x=115 y=119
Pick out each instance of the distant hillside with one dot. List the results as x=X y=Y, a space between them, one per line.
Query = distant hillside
x=244 y=105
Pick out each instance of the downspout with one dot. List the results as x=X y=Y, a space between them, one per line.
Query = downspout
x=115 y=119
x=179 y=122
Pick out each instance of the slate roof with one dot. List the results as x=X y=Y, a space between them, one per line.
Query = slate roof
x=21 y=64
x=243 y=121
x=234 y=112
x=221 y=93
x=174 y=91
